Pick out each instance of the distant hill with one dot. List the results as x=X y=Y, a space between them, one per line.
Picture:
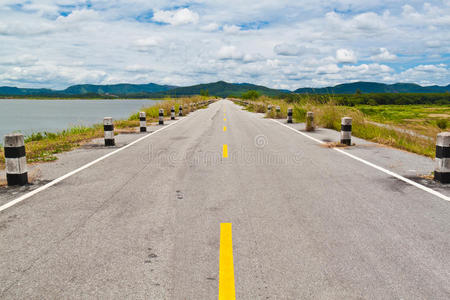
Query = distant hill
x=116 y=89
x=91 y=89
x=220 y=88
x=14 y=91
x=224 y=89
x=373 y=87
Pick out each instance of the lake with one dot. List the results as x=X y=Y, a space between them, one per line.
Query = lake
x=28 y=116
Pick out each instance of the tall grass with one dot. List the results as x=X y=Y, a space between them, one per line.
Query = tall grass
x=328 y=115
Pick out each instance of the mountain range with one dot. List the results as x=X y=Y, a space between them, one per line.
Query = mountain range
x=220 y=88
x=373 y=87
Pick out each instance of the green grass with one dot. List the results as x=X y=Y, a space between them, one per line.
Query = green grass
x=424 y=119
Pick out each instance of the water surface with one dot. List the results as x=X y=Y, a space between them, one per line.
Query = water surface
x=28 y=116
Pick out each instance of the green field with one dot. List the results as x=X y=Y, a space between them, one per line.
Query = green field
x=424 y=119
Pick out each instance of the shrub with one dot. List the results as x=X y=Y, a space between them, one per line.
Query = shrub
x=442 y=124
x=251 y=94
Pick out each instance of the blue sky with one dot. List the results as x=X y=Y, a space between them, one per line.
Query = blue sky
x=280 y=44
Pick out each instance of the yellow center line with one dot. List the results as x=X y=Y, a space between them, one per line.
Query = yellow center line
x=226 y=266
x=224 y=128
x=225 y=151
x=225 y=119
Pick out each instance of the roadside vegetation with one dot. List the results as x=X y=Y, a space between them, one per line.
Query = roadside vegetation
x=408 y=127
x=42 y=146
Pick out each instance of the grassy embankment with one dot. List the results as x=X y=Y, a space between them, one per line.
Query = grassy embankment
x=420 y=121
x=42 y=146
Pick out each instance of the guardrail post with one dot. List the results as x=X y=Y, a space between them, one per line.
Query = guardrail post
x=346 y=131
x=15 y=160
x=442 y=169
x=108 y=128
x=180 y=110
x=289 y=115
x=309 y=121
x=143 y=121
x=161 y=116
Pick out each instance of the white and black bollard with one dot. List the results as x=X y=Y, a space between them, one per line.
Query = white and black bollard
x=180 y=110
x=346 y=131
x=143 y=121
x=278 y=109
x=172 y=113
x=161 y=116
x=309 y=121
x=108 y=128
x=442 y=170
x=269 y=107
x=15 y=159
x=289 y=115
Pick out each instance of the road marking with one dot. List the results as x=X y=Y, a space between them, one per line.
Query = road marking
x=225 y=151
x=55 y=181
x=226 y=266
x=409 y=181
x=224 y=128
x=225 y=119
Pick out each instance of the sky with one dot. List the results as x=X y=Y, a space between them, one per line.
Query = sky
x=279 y=44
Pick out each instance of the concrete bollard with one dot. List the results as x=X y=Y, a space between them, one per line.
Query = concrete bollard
x=309 y=121
x=108 y=128
x=289 y=115
x=180 y=110
x=172 y=113
x=161 y=116
x=15 y=160
x=442 y=170
x=143 y=121
x=346 y=131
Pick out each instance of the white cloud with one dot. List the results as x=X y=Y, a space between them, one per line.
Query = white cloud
x=346 y=56
x=425 y=74
x=176 y=17
x=231 y=28
x=79 y=16
x=328 y=69
x=383 y=55
x=229 y=52
x=211 y=27
x=286 y=49
x=368 y=21
x=146 y=44
x=433 y=44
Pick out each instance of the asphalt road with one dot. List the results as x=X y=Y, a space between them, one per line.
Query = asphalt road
x=307 y=222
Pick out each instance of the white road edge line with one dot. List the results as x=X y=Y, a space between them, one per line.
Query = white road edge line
x=59 y=179
x=417 y=185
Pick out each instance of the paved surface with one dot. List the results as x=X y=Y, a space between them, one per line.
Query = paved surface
x=308 y=222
